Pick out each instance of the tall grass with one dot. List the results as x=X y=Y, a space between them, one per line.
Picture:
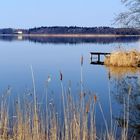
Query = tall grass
x=123 y=59
x=29 y=122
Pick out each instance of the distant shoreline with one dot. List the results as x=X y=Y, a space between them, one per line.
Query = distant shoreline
x=71 y=32
x=71 y=35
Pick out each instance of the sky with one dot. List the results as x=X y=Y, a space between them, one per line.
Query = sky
x=35 y=13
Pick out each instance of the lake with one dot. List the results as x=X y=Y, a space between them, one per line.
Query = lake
x=51 y=56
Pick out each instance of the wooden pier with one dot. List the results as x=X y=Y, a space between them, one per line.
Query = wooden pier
x=98 y=58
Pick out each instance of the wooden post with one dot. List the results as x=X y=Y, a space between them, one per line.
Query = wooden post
x=98 y=57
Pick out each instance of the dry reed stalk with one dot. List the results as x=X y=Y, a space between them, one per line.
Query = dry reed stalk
x=18 y=124
x=27 y=123
x=27 y=119
x=105 y=122
x=85 y=121
x=5 y=126
x=47 y=122
x=66 y=136
x=75 y=126
x=35 y=117
x=93 y=117
x=53 y=130
x=127 y=115
x=4 y=119
x=110 y=106
x=124 y=130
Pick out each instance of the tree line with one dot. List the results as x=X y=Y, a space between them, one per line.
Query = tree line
x=73 y=30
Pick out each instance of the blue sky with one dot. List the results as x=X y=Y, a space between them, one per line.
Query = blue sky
x=31 y=13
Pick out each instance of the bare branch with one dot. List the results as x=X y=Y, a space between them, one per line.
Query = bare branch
x=131 y=17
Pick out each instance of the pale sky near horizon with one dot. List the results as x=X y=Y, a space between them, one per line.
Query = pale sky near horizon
x=34 y=13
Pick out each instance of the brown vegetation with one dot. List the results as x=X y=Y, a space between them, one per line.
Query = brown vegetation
x=30 y=122
x=123 y=59
x=76 y=120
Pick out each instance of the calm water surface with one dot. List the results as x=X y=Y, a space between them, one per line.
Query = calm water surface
x=16 y=57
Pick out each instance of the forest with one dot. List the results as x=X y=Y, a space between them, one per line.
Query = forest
x=73 y=30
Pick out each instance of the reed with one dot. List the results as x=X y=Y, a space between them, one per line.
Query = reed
x=78 y=124
x=123 y=59
x=79 y=118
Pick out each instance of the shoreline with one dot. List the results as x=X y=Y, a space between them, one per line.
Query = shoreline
x=70 y=35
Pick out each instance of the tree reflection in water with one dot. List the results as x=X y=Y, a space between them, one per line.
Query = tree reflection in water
x=125 y=82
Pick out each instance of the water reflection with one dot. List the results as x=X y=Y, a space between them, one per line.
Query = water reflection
x=120 y=72
x=126 y=91
x=19 y=37
x=71 y=40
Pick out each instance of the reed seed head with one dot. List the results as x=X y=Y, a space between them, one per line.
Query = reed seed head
x=95 y=98
x=82 y=59
x=87 y=107
x=49 y=79
x=61 y=76
x=109 y=75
